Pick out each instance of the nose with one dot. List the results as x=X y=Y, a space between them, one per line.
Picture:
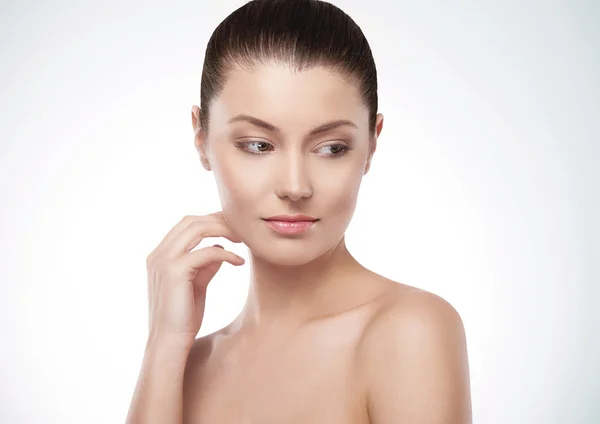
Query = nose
x=293 y=179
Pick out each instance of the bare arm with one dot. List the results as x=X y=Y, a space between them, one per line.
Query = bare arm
x=177 y=281
x=158 y=396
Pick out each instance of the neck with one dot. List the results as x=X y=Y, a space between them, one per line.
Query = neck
x=292 y=295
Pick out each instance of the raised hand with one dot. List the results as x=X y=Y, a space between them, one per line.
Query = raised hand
x=178 y=278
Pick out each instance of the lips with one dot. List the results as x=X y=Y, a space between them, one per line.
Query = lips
x=291 y=224
x=292 y=218
x=290 y=227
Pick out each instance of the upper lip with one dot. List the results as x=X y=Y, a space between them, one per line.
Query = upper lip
x=291 y=218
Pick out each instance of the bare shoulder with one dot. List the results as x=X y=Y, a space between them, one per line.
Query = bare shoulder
x=201 y=350
x=408 y=310
x=414 y=360
x=198 y=358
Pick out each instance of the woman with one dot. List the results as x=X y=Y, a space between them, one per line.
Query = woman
x=288 y=124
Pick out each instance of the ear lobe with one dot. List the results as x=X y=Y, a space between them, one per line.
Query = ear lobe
x=199 y=138
x=195 y=117
x=372 y=148
x=199 y=142
x=367 y=166
x=373 y=142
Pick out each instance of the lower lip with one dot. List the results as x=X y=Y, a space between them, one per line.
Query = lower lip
x=290 y=227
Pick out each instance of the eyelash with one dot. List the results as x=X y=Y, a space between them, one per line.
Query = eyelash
x=343 y=148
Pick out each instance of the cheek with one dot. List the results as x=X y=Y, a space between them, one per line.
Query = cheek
x=341 y=197
x=239 y=190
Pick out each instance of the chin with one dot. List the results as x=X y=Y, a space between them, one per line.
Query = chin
x=283 y=258
x=291 y=252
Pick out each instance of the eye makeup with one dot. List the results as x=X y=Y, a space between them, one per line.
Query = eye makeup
x=260 y=147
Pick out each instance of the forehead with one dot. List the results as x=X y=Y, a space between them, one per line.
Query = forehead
x=289 y=98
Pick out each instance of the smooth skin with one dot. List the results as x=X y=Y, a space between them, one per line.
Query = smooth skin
x=177 y=282
x=321 y=339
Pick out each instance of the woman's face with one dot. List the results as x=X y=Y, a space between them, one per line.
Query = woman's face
x=285 y=142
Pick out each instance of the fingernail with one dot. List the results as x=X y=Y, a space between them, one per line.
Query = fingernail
x=218 y=245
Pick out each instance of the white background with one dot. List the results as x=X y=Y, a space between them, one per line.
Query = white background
x=484 y=190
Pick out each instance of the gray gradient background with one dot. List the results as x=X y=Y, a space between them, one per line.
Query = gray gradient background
x=484 y=190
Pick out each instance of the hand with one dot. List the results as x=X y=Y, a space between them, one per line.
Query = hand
x=178 y=278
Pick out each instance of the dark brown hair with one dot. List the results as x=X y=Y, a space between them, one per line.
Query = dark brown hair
x=298 y=33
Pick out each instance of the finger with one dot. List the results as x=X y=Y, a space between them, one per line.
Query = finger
x=174 y=231
x=210 y=269
x=203 y=276
x=201 y=259
x=193 y=234
x=181 y=225
x=192 y=220
x=185 y=222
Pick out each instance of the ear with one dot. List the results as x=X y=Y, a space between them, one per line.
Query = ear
x=199 y=137
x=373 y=141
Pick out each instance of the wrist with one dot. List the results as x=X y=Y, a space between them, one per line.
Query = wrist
x=169 y=343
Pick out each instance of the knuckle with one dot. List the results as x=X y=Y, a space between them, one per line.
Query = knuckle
x=198 y=227
x=150 y=259
x=187 y=218
x=151 y=267
x=158 y=263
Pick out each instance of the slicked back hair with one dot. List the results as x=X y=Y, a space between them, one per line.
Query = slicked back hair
x=301 y=34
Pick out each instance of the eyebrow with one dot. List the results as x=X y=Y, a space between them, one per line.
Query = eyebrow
x=270 y=127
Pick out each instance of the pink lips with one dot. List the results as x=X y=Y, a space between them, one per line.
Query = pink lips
x=290 y=227
x=291 y=224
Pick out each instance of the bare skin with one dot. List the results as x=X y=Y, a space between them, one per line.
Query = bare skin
x=341 y=367
x=321 y=338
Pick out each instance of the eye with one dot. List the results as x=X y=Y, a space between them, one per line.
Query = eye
x=337 y=149
x=261 y=146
